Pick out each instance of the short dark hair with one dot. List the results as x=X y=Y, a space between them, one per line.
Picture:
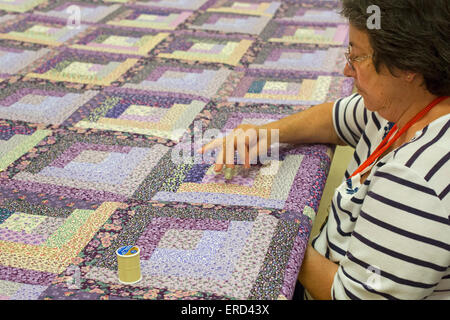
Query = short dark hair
x=414 y=36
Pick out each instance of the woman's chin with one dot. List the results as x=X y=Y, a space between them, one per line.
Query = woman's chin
x=367 y=103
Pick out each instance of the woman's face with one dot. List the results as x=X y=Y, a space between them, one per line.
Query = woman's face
x=381 y=91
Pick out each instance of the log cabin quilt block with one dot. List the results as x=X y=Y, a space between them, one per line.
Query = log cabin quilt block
x=66 y=167
x=48 y=31
x=129 y=110
x=206 y=48
x=120 y=41
x=142 y=18
x=84 y=67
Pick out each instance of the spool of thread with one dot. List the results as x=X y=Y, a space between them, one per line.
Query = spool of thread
x=129 y=264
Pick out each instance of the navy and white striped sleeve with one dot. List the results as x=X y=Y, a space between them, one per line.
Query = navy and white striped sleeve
x=350 y=118
x=400 y=245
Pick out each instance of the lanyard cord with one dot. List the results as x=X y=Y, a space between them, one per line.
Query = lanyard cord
x=387 y=142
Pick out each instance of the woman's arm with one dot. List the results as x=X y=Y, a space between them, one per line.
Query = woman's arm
x=317 y=274
x=314 y=125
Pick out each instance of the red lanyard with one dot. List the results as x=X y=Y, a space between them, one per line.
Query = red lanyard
x=386 y=143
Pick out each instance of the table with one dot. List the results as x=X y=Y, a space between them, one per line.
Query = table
x=101 y=107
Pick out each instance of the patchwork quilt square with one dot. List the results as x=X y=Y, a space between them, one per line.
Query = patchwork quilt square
x=84 y=67
x=149 y=113
x=148 y=18
x=19 y=5
x=15 y=141
x=48 y=104
x=322 y=61
x=306 y=33
x=299 y=13
x=65 y=10
x=67 y=169
x=41 y=30
x=178 y=78
x=230 y=22
x=250 y=7
x=120 y=41
x=290 y=88
x=36 y=246
x=194 y=252
x=47 y=244
x=207 y=48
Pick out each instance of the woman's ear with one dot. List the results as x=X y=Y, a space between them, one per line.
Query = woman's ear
x=410 y=76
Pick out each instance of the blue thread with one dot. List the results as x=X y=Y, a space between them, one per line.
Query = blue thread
x=350 y=189
x=388 y=128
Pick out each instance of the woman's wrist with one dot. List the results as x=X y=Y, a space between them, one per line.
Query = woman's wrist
x=272 y=131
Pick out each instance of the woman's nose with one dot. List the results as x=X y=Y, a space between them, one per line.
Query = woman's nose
x=348 y=71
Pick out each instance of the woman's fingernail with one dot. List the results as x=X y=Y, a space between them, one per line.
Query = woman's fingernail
x=228 y=173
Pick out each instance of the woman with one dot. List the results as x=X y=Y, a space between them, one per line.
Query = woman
x=387 y=235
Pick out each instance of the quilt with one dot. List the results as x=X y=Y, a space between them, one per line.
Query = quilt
x=102 y=106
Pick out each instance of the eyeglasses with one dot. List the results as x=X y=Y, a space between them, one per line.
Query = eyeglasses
x=355 y=59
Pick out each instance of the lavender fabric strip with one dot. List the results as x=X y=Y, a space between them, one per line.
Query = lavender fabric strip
x=82 y=194
x=301 y=188
x=295 y=262
x=26 y=276
x=22 y=237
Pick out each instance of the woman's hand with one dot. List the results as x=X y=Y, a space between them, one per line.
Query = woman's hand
x=313 y=125
x=248 y=140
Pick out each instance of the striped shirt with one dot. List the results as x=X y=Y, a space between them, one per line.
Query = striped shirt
x=390 y=235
